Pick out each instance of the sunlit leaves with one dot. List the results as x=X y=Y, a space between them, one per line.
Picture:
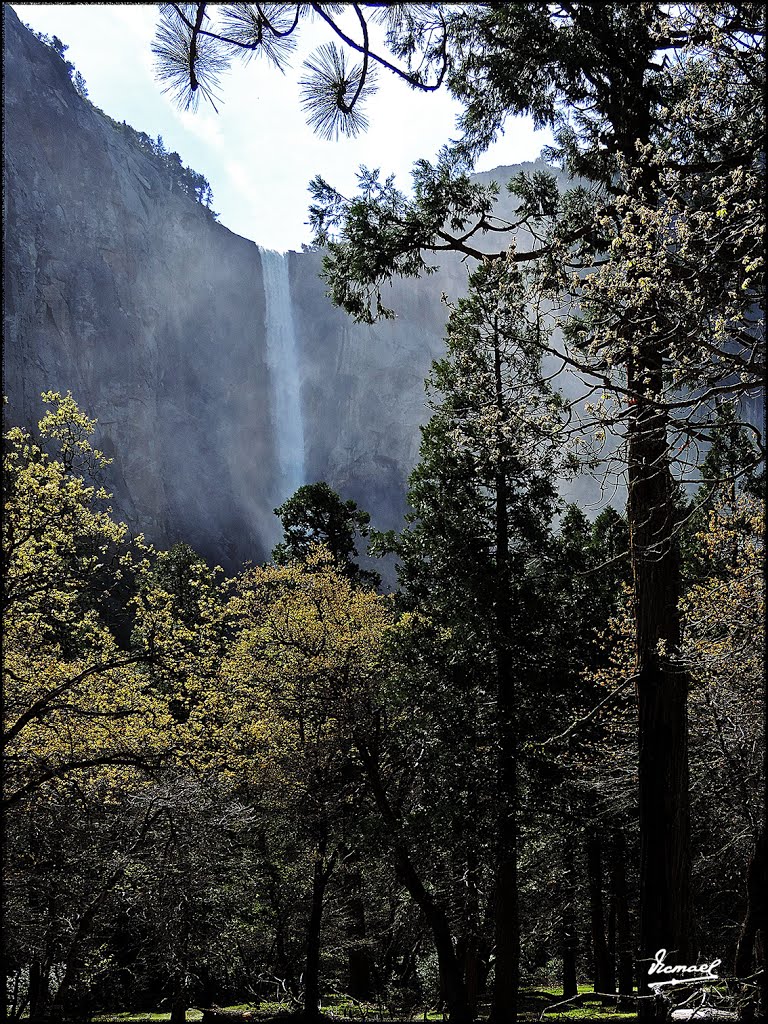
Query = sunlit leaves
x=300 y=675
x=104 y=638
x=725 y=613
x=73 y=697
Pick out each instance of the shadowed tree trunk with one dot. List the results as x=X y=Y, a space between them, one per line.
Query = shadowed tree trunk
x=472 y=969
x=358 y=959
x=621 y=906
x=603 y=970
x=181 y=995
x=468 y=867
x=570 y=936
x=662 y=683
x=321 y=872
x=610 y=935
x=81 y=932
x=179 y=1009
x=284 y=961
x=39 y=993
x=451 y=977
x=507 y=967
x=467 y=946
x=752 y=948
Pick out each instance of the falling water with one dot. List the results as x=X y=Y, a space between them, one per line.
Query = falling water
x=283 y=362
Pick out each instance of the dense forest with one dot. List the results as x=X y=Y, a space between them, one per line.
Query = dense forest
x=530 y=782
x=280 y=788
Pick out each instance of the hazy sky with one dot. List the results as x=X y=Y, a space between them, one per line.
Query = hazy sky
x=257 y=152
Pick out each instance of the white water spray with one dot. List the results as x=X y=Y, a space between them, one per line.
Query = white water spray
x=283 y=362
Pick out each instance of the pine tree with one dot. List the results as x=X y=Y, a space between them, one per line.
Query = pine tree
x=483 y=497
x=316 y=514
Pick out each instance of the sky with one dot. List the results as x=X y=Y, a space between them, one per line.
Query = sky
x=257 y=152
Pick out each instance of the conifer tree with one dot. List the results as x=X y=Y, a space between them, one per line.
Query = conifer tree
x=483 y=498
x=316 y=514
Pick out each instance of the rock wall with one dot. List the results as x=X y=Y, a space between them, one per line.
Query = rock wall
x=154 y=316
x=139 y=303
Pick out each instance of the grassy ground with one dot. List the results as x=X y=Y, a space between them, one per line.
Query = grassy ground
x=533 y=1003
x=143 y=1018
x=536 y=1000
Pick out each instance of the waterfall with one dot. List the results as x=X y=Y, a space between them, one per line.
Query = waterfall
x=283 y=362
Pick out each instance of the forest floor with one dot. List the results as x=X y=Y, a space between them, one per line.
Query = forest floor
x=533 y=1002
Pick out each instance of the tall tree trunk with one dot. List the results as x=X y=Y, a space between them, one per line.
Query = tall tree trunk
x=321 y=872
x=570 y=936
x=752 y=951
x=752 y=948
x=472 y=969
x=468 y=843
x=39 y=992
x=662 y=683
x=284 y=962
x=468 y=944
x=473 y=976
x=603 y=970
x=358 y=960
x=451 y=977
x=183 y=928
x=610 y=935
x=72 y=962
x=620 y=902
x=507 y=966
x=85 y=924
x=179 y=1008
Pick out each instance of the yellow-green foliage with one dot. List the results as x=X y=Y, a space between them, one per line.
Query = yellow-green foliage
x=73 y=697
x=299 y=676
x=725 y=614
x=265 y=684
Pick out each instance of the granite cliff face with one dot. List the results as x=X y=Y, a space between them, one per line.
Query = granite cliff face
x=214 y=394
